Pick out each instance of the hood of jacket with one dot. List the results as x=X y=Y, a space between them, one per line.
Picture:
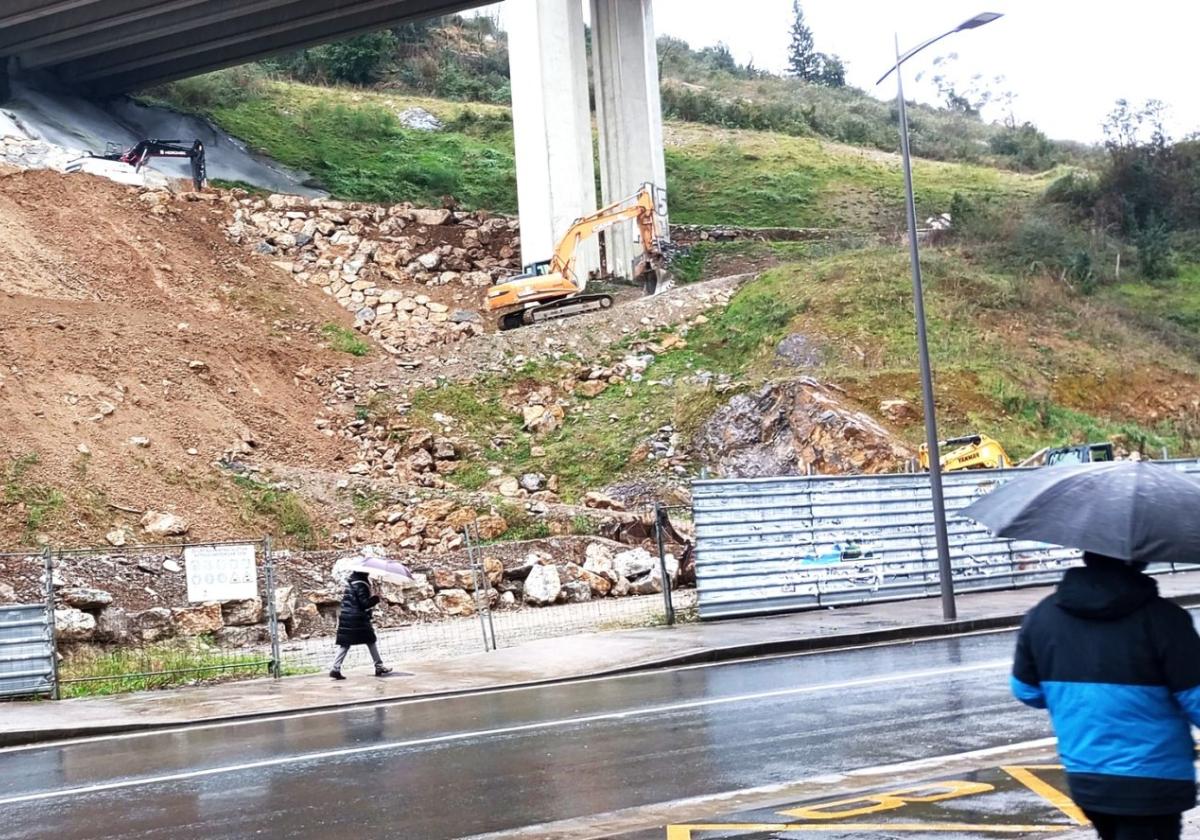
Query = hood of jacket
x=1105 y=593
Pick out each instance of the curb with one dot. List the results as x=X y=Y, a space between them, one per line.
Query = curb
x=805 y=644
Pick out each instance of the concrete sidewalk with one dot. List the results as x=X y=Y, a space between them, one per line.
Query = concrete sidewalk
x=546 y=661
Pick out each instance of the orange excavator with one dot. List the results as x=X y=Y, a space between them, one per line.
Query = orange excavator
x=553 y=288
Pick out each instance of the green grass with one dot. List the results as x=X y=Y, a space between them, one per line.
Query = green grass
x=354 y=145
x=41 y=504
x=281 y=509
x=163 y=665
x=345 y=340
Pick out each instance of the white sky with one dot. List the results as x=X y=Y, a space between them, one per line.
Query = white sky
x=1067 y=60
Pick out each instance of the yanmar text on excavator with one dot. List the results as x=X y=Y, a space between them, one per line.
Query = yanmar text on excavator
x=554 y=288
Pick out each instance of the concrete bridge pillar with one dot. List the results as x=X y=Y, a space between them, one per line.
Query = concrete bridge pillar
x=629 y=112
x=552 y=127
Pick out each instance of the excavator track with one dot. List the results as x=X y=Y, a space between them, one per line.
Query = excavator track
x=565 y=308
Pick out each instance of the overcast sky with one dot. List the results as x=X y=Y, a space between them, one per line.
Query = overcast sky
x=1067 y=60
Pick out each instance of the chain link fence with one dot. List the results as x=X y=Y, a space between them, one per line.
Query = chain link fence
x=158 y=616
x=144 y=617
x=496 y=595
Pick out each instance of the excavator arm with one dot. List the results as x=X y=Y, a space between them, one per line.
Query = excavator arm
x=558 y=290
x=639 y=208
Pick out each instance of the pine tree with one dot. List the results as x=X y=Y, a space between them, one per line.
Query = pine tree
x=803 y=60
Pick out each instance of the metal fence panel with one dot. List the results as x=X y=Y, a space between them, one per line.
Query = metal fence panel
x=783 y=544
x=26 y=651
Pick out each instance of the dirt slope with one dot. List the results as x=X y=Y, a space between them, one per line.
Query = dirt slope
x=122 y=316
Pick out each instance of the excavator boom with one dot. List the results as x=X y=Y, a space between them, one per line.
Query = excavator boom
x=555 y=289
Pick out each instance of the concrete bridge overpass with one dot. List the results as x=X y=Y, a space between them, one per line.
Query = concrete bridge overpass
x=109 y=47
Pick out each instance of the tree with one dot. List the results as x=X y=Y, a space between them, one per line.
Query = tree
x=804 y=62
x=833 y=71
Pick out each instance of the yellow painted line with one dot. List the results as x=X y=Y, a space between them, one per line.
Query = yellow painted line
x=1047 y=791
x=873 y=803
x=685 y=832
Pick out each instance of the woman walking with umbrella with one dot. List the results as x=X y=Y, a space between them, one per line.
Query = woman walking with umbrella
x=1116 y=665
x=354 y=621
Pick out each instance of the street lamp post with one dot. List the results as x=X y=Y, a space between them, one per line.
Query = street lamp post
x=945 y=571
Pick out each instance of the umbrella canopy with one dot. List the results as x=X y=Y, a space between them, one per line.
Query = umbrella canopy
x=383 y=569
x=375 y=562
x=1136 y=511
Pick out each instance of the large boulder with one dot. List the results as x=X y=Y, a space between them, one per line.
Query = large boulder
x=453 y=579
x=601 y=561
x=85 y=598
x=154 y=624
x=197 y=621
x=634 y=563
x=789 y=427
x=72 y=625
x=8 y=595
x=455 y=602
x=112 y=626
x=494 y=569
x=542 y=586
x=158 y=524
x=285 y=602
x=491 y=527
x=576 y=592
x=242 y=613
x=596 y=584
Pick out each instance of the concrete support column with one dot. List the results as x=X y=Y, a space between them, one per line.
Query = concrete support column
x=629 y=112
x=552 y=127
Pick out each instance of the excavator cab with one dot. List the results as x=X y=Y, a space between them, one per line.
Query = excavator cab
x=1087 y=453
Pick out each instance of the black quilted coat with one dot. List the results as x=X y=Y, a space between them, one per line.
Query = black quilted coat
x=354 y=622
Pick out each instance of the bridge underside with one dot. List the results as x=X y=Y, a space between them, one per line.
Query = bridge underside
x=113 y=46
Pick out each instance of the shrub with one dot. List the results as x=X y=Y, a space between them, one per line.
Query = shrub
x=1025 y=146
x=1155 y=257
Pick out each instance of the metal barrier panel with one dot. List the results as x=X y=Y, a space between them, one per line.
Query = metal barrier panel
x=785 y=544
x=26 y=651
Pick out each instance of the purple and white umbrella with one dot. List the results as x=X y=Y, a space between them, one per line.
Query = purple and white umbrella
x=375 y=562
x=382 y=568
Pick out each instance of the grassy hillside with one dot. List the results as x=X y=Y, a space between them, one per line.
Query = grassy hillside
x=354 y=144
x=1019 y=358
x=1035 y=338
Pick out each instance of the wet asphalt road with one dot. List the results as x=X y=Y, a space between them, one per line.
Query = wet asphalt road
x=464 y=766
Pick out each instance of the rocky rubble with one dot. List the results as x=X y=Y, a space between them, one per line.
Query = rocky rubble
x=413 y=277
x=790 y=427
x=145 y=602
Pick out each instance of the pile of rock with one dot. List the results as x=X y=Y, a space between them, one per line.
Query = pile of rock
x=428 y=526
x=789 y=428
x=23 y=153
x=374 y=260
x=690 y=234
x=535 y=580
x=88 y=615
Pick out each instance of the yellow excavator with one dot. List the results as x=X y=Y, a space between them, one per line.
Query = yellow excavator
x=554 y=289
x=972 y=452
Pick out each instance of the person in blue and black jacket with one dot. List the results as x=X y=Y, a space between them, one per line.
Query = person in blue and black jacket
x=1118 y=667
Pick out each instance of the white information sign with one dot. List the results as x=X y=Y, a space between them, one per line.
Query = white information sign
x=220 y=573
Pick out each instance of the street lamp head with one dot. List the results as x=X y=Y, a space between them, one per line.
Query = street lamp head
x=981 y=19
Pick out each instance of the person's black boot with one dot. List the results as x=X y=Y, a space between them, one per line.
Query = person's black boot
x=382 y=670
x=336 y=675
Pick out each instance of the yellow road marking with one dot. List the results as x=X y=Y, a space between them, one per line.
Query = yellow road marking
x=1047 y=791
x=684 y=832
x=874 y=803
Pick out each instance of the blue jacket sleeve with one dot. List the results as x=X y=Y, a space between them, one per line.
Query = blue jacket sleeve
x=1025 y=683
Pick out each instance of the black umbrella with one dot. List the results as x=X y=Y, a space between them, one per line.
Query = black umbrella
x=1133 y=511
